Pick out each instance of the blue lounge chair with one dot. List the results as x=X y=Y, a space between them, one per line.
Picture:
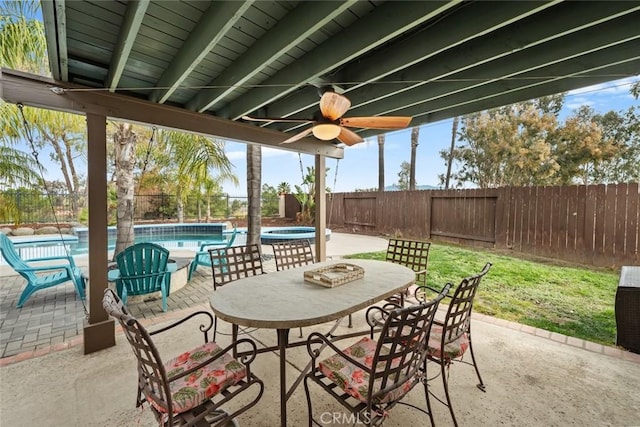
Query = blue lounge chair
x=56 y=274
x=202 y=256
x=143 y=270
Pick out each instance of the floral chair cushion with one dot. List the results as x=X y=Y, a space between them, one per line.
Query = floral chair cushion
x=355 y=381
x=452 y=350
x=191 y=391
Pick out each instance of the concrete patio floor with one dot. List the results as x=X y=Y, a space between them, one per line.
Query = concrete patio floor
x=533 y=377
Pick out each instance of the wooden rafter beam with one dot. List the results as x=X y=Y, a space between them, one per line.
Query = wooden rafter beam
x=32 y=90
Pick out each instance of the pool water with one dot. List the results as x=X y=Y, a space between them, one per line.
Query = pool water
x=73 y=246
x=170 y=236
x=172 y=241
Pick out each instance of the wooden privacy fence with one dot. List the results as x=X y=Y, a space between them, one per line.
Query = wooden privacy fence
x=596 y=224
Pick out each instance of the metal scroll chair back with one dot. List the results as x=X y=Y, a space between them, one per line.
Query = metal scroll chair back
x=371 y=377
x=53 y=274
x=292 y=253
x=451 y=338
x=413 y=254
x=233 y=263
x=174 y=397
x=143 y=270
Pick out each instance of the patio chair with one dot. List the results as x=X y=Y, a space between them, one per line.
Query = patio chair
x=143 y=270
x=451 y=338
x=55 y=274
x=202 y=256
x=370 y=377
x=233 y=263
x=413 y=254
x=294 y=253
x=192 y=388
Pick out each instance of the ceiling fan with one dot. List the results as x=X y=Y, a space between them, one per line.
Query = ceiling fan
x=328 y=123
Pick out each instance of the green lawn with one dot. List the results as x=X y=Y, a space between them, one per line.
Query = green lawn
x=575 y=301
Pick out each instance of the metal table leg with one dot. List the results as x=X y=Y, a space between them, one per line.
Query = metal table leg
x=283 y=335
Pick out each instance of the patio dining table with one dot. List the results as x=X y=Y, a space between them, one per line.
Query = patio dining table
x=283 y=300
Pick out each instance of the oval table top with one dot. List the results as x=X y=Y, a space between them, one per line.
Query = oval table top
x=283 y=300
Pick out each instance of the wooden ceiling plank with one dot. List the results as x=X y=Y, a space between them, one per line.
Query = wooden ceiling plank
x=507 y=92
x=294 y=28
x=51 y=34
x=559 y=21
x=593 y=42
x=213 y=25
x=381 y=25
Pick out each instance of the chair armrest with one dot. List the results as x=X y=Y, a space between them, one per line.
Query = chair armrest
x=421 y=291
x=204 y=327
x=316 y=338
x=376 y=315
x=49 y=268
x=248 y=356
x=211 y=245
x=69 y=259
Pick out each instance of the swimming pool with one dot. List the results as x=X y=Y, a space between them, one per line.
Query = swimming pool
x=170 y=236
x=281 y=234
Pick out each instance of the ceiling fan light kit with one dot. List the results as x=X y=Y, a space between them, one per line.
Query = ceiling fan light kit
x=326 y=131
x=329 y=124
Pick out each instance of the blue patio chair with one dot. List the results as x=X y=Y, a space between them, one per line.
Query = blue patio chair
x=55 y=274
x=143 y=270
x=202 y=256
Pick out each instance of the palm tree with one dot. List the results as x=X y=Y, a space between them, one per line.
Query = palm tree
x=381 y=162
x=415 y=132
x=124 y=139
x=194 y=156
x=454 y=129
x=23 y=47
x=254 y=182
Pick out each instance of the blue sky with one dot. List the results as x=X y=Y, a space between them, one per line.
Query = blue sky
x=359 y=167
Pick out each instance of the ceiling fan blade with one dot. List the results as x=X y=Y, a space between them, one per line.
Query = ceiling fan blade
x=333 y=105
x=377 y=122
x=348 y=137
x=267 y=119
x=298 y=136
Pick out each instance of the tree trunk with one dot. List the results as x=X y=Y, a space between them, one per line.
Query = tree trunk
x=415 y=133
x=254 y=182
x=124 y=141
x=381 y=162
x=179 y=207
x=454 y=129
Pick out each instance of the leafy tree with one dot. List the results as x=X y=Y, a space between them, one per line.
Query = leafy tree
x=623 y=130
x=525 y=144
x=579 y=147
x=403 y=176
x=508 y=145
x=270 y=200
